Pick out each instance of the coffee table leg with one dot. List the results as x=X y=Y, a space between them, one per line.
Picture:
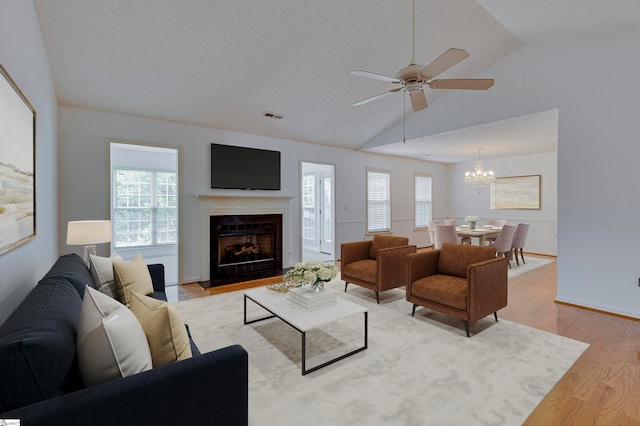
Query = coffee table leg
x=334 y=360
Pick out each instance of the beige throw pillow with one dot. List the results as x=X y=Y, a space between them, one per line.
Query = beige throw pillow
x=132 y=276
x=164 y=328
x=101 y=269
x=110 y=341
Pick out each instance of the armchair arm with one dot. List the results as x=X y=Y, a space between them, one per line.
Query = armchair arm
x=488 y=287
x=164 y=395
x=422 y=265
x=392 y=266
x=353 y=251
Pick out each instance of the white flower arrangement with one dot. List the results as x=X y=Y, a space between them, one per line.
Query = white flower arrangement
x=311 y=272
x=471 y=219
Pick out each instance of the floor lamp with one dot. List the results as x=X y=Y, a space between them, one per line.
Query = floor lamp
x=88 y=233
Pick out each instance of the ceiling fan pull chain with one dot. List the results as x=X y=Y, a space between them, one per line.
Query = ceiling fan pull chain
x=404 y=117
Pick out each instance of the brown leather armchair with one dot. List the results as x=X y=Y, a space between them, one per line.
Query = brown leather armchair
x=379 y=264
x=464 y=281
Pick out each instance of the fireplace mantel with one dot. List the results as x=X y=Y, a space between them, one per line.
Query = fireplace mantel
x=216 y=205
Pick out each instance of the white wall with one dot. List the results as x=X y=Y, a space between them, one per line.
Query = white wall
x=591 y=80
x=84 y=186
x=22 y=55
x=542 y=237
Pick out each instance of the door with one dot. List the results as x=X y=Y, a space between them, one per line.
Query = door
x=317 y=212
x=326 y=212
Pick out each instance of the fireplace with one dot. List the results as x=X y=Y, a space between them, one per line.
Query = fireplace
x=244 y=247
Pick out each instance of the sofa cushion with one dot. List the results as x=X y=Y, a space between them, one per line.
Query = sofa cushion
x=111 y=343
x=456 y=258
x=72 y=268
x=385 y=241
x=444 y=289
x=101 y=269
x=366 y=270
x=132 y=276
x=38 y=345
x=164 y=328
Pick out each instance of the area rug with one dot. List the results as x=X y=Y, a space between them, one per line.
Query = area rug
x=416 y=370
x=532 y=263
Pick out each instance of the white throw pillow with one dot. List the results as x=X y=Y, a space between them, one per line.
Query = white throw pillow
x=111 y=343
x=101 y=269
x=132 y=276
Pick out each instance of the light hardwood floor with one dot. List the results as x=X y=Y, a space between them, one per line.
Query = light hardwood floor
x=601 y=388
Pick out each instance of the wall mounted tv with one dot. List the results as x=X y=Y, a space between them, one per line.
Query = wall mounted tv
x=237 y=167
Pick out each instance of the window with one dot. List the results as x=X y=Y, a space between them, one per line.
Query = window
x=378 y=200
x=145 y=209
x=422 y=185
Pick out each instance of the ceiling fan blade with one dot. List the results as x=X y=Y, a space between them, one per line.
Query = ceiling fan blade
x=462 y=83
x=380 y=95
x=418 y=101
x=375 y=76
x=445 y=61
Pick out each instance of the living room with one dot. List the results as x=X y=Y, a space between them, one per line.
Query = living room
x=584 y=77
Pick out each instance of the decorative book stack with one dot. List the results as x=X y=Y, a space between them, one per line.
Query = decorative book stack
x=302 y=296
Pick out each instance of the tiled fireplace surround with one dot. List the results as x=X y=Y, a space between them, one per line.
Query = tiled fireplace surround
x=219 y=205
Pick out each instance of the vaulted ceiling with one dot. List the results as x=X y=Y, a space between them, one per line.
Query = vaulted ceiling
x=222 y=64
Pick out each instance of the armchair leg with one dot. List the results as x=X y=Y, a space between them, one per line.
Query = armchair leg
x=466 y=328
x=413 y=311
x=495 y=314
x=377 y=298
x=345 y=286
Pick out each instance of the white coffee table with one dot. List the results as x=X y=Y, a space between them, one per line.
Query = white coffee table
x=304 y=320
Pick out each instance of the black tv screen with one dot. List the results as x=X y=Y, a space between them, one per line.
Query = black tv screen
x=237 y=167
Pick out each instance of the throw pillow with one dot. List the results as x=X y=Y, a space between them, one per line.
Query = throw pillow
x=111 y=343
x=132 y=276
x=164 y=328
x=101 y=269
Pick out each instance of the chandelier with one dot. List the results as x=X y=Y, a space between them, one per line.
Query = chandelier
x=479 y=178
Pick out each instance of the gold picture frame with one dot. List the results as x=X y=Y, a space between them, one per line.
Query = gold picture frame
x=516 y=193
x=17 y=166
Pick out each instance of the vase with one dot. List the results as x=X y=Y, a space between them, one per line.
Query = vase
x=317 y=286
x=472 y=225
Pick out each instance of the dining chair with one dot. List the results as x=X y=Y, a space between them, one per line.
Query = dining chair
x=445 y=234
x=462 y=240
x=432 y=224
x=503 y=242
x=519 y=238
x=499 y=223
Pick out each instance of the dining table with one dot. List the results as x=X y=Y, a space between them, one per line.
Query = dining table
x=479 y=232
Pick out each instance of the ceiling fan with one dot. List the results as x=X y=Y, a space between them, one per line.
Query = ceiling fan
x=414 y=77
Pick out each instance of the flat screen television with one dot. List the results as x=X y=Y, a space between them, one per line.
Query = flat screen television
x=237 y=167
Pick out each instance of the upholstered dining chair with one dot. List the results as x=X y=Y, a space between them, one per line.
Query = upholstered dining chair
x=519 y=238
x=462 y=240
x=445 y=234
x=503 y=242
x=379 y=264
x=432 y=224
x=499 y=223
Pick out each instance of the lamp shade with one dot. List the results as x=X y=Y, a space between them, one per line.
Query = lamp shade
x=87 y=232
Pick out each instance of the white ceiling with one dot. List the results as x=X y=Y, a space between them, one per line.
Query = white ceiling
x=221 y=64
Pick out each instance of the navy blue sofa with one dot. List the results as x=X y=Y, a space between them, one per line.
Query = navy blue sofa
x=40 y=382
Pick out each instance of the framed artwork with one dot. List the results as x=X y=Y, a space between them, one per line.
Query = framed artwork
x=516 y=192
x=17 y=166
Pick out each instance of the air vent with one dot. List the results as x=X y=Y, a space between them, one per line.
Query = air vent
x=272 y=115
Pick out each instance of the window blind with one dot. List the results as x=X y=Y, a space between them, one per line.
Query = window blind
x=378 y=201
